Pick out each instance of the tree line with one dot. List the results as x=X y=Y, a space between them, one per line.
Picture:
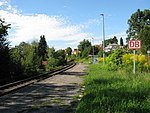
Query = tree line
x=26 y=59
x=139 y=29
x=29 y=59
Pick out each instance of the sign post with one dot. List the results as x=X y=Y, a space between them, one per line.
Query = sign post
x=134 y=68
x=148 y=52
x=134 y=45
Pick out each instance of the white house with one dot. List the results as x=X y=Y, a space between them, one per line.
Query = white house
x=111 y=47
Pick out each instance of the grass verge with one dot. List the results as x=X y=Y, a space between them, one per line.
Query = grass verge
x=114 y=92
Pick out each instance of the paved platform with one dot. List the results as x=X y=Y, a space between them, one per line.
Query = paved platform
x=53 y=95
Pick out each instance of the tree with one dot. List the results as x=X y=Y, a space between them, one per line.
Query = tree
x=56 y=58
x=51 y=59
x=85 y=53
x=35 y=59
x=139 y=22
x=111 y=41
x=108 y=41
x=51 y=52
x=85 y=48
x=96 y=50
x=114 y=40
x=42 y=48
x=60 y=56
x=145 y=36
x=4 y=49
x=115 y=59
x=69 y=51
x=25 y=59
x=121 y=41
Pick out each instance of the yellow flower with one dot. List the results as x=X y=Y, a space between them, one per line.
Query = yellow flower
x=142 y=59
x=100 y=59
x=145 y=64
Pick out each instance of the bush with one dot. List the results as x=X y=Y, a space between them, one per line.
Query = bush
x=100 y=59
x=114 y=61
x=121 y=59
x=141 y=62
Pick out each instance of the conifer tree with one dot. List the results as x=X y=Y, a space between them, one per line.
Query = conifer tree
x=42 y=48
x=4 y=49
x=121 y=41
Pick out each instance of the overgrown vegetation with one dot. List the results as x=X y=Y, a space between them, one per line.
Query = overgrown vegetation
x=26 y=59
x=122 y=59
x=4 y=49
x=139 y=28
x=114 y=92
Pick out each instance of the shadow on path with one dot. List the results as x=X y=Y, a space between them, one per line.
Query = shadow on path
x=37 y=97
x=74 y=73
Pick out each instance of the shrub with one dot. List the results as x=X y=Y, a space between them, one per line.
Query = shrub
x=114 y=61
x=141 y=61
x=100 y=59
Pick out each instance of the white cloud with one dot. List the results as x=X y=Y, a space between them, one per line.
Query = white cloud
x=55 y=28
x=29 y=27
x=3 y=2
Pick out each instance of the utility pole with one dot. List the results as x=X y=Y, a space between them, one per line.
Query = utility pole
x=93 y=49
x=103 y=40
x=93 y=46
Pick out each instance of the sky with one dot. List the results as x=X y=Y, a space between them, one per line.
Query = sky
x=67 y=22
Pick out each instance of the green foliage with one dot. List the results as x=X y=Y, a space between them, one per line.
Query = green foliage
x=4 y=50
x=56 y=58
x=85 y=48
x=60 y=56
x=121 y=41
x=142 y=64
x=69 y=51
x=96 y=50
x=26 y=59
x=3 y=31
x=42 y=48
x=51 y=59
x=114 y=60
x=85 y=53
x=121 y=59
x=114 y=40
x=84 y=60
x=100 y=54
x=16 y=69
x=25 y=56
x=114 y=92
x=139 y=25
x=111 y=41
x=145 y=36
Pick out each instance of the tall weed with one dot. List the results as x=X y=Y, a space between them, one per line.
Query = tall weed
x=114 y=92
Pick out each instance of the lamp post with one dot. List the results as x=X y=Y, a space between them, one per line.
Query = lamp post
x=93 y=46
x=93 y=49
x=103 y=40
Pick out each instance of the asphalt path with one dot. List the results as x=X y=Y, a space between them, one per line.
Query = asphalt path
x=57 y=94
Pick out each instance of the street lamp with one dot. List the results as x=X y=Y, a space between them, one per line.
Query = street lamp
x=103 y=40
x=93 y=46
x=93 y=49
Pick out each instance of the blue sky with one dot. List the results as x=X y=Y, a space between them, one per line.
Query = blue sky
x=67 y=22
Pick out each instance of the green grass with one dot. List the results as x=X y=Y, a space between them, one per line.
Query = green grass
x=39 y=106
x=84 y=60
x=114 y=92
